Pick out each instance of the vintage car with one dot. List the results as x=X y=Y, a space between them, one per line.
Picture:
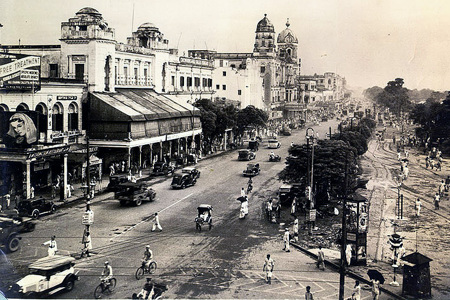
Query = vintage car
x=25 y=224
x=273 y=144
x=9 y=230
x=252 y=170
x=183 y=180
x=115 y=180
x=35 y=207
x=287 y=192
x=285 y=131
x=134 y=192
x=47 y=276
x=246 y=155
x=191 y=170
x=162 y=168
x=253 y=145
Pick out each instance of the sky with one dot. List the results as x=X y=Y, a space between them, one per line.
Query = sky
x=369 y=42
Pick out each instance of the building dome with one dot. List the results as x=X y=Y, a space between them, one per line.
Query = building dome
x=89 y=11
x=287 y=36
x=148 y=27
x=265 y=25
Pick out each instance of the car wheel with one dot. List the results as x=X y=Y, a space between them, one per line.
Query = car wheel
x=13 y=244
x=138 y=201
x=35 y=214
x=69 y=285
x=183 y=186
x=53 y=209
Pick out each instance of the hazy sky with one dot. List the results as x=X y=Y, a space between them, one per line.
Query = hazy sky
x=368 y=41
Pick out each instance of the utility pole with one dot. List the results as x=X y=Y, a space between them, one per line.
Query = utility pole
x=344 y=235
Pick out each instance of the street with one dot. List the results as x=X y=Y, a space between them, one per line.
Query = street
x=225 y=262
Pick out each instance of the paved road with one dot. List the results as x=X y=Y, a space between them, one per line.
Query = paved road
x=225 y=262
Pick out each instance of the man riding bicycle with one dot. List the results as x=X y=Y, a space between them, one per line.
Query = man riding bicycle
x=148 y=256
x=107 y=274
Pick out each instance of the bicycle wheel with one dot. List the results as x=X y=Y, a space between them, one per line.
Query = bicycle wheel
x=112 y=284
x=140 y=273
x=152 y=267
x=98 y=292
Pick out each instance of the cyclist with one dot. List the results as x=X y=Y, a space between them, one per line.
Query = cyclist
x=148 y=256
x=107 y=274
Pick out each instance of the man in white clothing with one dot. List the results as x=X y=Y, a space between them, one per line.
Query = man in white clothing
x=52 y=247
x=156 y=223
x=286 y=240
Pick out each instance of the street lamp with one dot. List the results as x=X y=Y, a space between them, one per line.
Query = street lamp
x=399 y=198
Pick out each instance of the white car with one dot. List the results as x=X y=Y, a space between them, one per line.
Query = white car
x=47 y=276
x=273 y=144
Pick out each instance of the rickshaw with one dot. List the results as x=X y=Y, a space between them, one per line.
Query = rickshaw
x=204 y=216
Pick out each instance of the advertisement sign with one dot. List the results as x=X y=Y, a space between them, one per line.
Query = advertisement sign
x=88 y=218
x=20 y=72
x=18 y=130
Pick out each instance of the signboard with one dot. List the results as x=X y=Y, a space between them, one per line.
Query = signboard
x=66 y=98
x=311 y=216
x=18 y=130
x=88 y=218
x=19 y=72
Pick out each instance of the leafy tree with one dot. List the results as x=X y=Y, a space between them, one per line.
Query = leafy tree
x=395 y=97
x=372 y=93
x=251 y=117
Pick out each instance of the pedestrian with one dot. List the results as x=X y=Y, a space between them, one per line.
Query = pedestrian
x=269 y=209
x=406 y=172
x=294 y=207
x=438 y=166
x=53 y=191
x=406 y=153
x=32 y=192
x=87 y=242
x=268 y=268
x=375 y=289
x=399 y=156
x=69 y=190
x=308 y=294
x=348 y=254
x=242 y=192
x=52 y=247
x=320 y=259
x=356 y=294
x=286 y=240
x=437 y=199
x=442 y=188
x=156 y=223
x=295 y=230
x=418 y=207
x=111 y=170
x=427 y=162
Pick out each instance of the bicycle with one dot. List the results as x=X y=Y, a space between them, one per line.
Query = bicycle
x=143 y=269
x=104 y=288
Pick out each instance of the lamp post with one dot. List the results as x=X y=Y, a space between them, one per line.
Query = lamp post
x=399 y=199
x=310 y=137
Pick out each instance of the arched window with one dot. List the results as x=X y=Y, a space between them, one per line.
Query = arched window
x=4 y=107
x=57 y=117
x=41 y=108
x=73 y=116
x=22 y=107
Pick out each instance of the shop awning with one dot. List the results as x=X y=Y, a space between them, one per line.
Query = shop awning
x=137 y=105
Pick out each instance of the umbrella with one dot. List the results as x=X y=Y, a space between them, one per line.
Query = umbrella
x=242 y=199
x=374 y=274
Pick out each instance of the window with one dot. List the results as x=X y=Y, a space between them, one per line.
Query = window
x=209 y=82
x=197 y=81
x=217 y=86
x=204 y=82
x=57 y=117
x=221 y=63
x=125 y=73
x=181 y=81
x=53 y=71
x=146 y=76
x=189 y=81
x=116 y=75
x=173 y=80
x=73 y=117
x=224 y=73
x=79 y=71
x=239 y=92
x=224 y=87
x=136 y=75
x=263 y=69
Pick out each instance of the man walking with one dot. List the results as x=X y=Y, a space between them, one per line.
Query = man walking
x=308 y=294
x=268 y=268
x=418 y=207
x=156 y=223
x=442 y=188
x=437 y=199
x=321 y=259
x=295 y=230
x=286 y=240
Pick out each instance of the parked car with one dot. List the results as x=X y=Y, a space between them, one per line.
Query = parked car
x=134 y=192
x=9 y=230
x=273 y=144
x=162 y=168
x=183 y=180
x=252 y=170
x=253 y=145
x=285 y=131
x=246 y=155
x=287 y=192
x=115 y=180
x=35 y=207
x=47 y=276
x=191 y=170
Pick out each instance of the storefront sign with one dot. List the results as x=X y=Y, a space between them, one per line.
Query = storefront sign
x=49 y=152
x=78 y=58
x=19 y=71
x=66 y=97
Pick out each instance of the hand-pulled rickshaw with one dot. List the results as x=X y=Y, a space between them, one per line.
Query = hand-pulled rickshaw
x=204 y=216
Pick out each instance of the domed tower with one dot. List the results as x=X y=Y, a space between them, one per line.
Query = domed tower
x=148 y=36
x=265 y=38
x=88 y=49
x=287 y=44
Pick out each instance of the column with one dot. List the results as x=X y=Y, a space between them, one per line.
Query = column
x=28 y=178
x=178 y=146
x=151 y=155
x=160 y=151
x=170 y=149
x=129 y=159
x=140 y=156
x=65 y=175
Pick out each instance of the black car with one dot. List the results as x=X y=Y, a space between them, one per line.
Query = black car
x=191 y=170
x=115 y=180
x=252 y=170
x=10 y=229
x=182 y=180
x=162 y=168
x=35 y=207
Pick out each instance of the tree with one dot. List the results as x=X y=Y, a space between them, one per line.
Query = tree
x=395 y=97
x=251 y=117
